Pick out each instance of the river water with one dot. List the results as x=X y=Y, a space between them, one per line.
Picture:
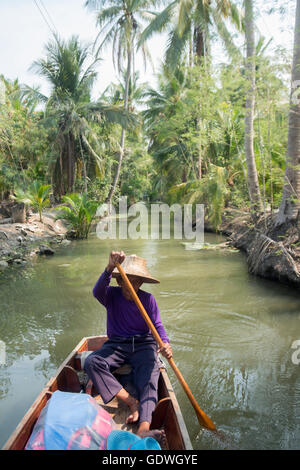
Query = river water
x=231 y=335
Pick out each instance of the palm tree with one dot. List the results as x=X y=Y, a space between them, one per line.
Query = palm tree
x=121 y=24
x=37 y=196
x=13 y=90
x=115 y=93
x=171 y=156
x=253 y=185
x=70 y=107
x=212 y=190
x=290 y=204
x=189 y=23
x=162 y=103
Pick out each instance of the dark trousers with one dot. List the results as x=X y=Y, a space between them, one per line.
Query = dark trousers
x=140 y=353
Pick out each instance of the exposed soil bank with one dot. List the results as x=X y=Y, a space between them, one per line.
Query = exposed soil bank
x=21 y=242
x=272 y=252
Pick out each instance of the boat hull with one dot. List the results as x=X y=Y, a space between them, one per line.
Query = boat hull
x=167 y=414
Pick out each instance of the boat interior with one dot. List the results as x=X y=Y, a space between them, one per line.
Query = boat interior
x=71 y=377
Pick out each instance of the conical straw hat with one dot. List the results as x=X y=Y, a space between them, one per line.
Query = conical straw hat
x=135 y=266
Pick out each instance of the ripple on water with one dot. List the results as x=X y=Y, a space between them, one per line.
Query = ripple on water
x=248 y=430
x=231 y=334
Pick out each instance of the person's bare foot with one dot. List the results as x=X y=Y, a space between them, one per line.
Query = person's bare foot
x=132 y=403
x=134 y=408
x=158 y=434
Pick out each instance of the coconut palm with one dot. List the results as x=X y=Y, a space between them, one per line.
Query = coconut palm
x=168 y=148
x=253 y=185
x=115 y=93
x=162 y=103
x=212 y=190
x=189 y=23
x=290 y=204
x=69 y=107
x=121 y=23
x=12 y=89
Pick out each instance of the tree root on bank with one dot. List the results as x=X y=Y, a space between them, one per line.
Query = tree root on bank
x=273 y=252
x=261 y=245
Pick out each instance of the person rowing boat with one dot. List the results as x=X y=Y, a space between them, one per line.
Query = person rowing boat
x=129 y=341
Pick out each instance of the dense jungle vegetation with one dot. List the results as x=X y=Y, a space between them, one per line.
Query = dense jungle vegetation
x=218 y=133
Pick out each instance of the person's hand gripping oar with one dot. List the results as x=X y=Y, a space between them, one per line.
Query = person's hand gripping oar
x=203 y=419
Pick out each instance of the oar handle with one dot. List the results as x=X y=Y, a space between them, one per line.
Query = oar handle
x=203 y=419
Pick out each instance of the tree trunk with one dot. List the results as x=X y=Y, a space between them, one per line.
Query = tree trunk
x=84 y=175
x=18 y=213
x=59 y=169
x=199 y=44
x=57 y=178
x=122 y=142
x=199 y=162
x=71 y=162
x=84 y=171
x=290 y=204
x=61 y=175
x=190 y=53
x=253 y=186
x=269 y=152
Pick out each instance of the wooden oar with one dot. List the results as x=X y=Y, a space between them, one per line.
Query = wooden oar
x=203 y=419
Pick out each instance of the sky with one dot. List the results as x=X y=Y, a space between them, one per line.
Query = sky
x=24 y=32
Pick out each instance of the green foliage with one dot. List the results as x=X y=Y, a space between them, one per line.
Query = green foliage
x=135 y=176
x=80 y=212
x=187 y=143
x=189 y=23
x=9 y=177
x=195 y=121
x=212 y=191
x=97 y=188
x=23 y=141
x=121 y=24
x=70 y=111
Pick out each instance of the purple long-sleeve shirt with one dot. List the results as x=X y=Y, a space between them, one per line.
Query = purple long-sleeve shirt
x=123 y=316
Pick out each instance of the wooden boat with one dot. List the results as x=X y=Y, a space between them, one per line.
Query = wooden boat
x=70 y=378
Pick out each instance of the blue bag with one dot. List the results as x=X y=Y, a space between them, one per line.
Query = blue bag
x=71 y=421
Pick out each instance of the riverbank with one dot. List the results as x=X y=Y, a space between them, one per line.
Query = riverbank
x=232 y=327
x=272 y=252
x=20 y=243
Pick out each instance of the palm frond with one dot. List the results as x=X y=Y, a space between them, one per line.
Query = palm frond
x=226 y=37
x=158 y=24
x=33 y=93
x=184 y=16
x=176 y=48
